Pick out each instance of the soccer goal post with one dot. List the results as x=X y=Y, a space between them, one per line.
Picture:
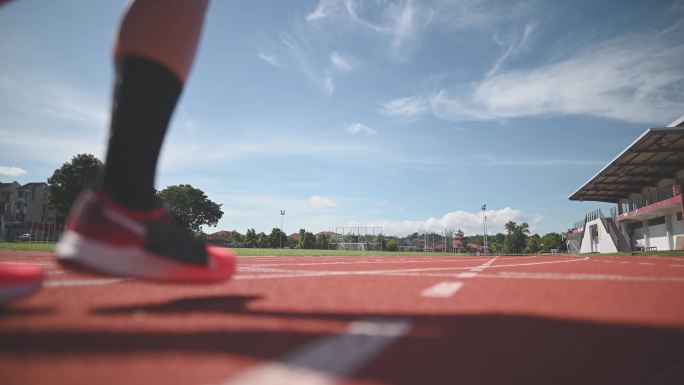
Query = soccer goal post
x=357 y=238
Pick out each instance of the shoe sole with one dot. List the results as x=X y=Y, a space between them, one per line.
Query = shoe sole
x=14 y=292
x=131 y=262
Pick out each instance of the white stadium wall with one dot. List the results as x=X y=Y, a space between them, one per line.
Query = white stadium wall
x=604 y=243
x=658 y=237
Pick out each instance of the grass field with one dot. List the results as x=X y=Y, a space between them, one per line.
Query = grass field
x=315 y=253
x=238 y=251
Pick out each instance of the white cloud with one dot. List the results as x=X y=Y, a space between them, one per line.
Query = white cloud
x=270 y=59
x=323 y=10
x=341 y=63
x=401 y=23
x=405 y=108
x=12 y=171
x=537 y=219
x=397 y=21
x=635 y=79
x=514 y=49
x=301 y=52
x=319 y=202
x=328 y=84
x=469 y=222
x=360 y=128
x=53 y=100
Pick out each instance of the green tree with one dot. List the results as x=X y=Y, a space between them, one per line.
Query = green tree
x=322 y=241
x=392 y=245
x=277 y=238
x=262 y=240
x=534 y=243
x=191 y=207
x=554 y=241
x=516 y=237
x=495 y=243
x=307 y=241
x=250 y=238
x=69 y=180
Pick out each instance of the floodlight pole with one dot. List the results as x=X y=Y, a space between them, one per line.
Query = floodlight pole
x=280 y=238
x=484 y=223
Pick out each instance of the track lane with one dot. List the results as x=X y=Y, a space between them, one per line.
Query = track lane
x=539 y=328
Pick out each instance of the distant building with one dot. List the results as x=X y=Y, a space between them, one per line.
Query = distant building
x=458 y=240
x=645 y=182
x=24 y=207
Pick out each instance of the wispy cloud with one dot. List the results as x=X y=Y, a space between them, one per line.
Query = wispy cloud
x=360 y=128
x=302 y=53
x=270 y=59
x=493 y=160
x=341 y=62
x=521 y=45
x=12 y=171
x=636 y=78
x=53 y=100
x=319 y=202
x=397 y=21
x=405 y=108
x=402 y=23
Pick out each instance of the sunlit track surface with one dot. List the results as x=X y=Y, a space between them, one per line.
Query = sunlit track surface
x=357 y=320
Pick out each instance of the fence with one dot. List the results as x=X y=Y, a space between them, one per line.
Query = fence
x=34 y=233
x=657 y=195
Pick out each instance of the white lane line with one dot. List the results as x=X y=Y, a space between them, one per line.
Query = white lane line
x=329 y=359
x=465 y=275
x=584 y=277
x=442 y=289
x=476 y=269
x=379 y=262
x=83 y=282
x=647 y=263
x=676 y=265
x=286 y=273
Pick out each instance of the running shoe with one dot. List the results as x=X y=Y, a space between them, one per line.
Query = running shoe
x=108 y=238
x=19 y=281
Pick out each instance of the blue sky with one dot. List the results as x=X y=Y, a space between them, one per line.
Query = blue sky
x=402 y=114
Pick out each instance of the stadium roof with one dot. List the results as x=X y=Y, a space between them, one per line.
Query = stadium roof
x=658 y=153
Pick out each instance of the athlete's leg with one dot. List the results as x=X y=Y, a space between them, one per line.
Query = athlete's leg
x=117 y=229
x=153 y=55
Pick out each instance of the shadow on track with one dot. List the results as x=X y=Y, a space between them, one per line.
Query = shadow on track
x=210 y=304
x=11 y=311
x=439 y=349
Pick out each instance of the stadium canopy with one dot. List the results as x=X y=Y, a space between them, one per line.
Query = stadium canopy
x=658 y=153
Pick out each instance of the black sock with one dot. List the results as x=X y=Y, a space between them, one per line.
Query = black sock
x=145 y=94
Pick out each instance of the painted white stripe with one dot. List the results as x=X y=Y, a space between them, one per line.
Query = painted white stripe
x=442 y=289
x=83 y=282
x=677 y=265
x=646 y=263
x=477 y=269
x=585 y=277
x=330 y=359
x=466 y=275
x=286 y=273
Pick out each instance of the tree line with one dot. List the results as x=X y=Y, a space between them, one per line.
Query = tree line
x=193 y=209
x=189 y=205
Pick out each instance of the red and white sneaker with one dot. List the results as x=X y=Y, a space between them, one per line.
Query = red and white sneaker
x=19 y=281
x=108 y=238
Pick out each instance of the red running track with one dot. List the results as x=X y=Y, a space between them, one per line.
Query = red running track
x=357 y=320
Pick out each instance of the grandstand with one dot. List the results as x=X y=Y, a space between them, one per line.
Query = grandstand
x=645 y=182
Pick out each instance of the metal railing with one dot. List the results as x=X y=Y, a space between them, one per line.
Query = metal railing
x=657 y=195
